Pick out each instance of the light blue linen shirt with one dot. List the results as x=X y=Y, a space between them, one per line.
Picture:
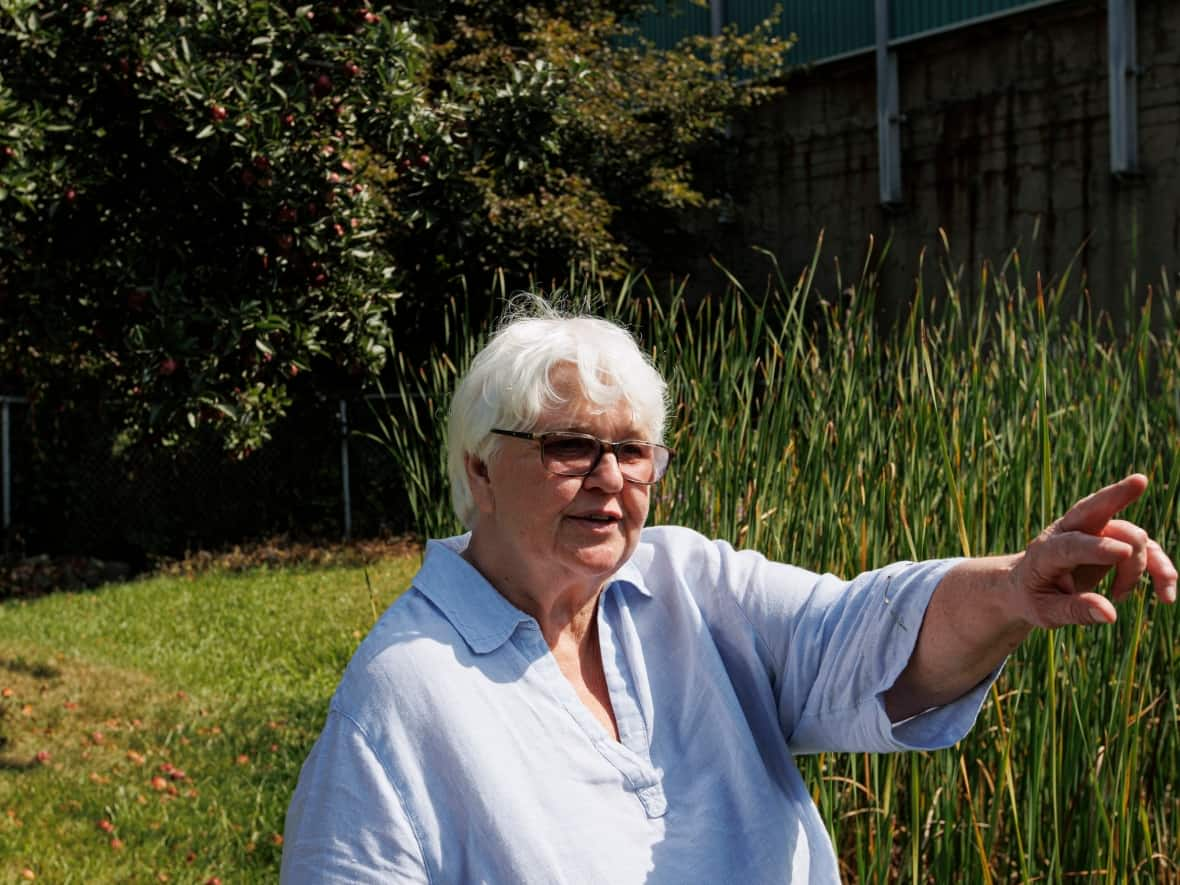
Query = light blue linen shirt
x=455 y=750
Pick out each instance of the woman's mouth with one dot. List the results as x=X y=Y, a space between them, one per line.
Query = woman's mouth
x=597 y=518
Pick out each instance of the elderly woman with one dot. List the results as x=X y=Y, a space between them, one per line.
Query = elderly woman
x=563 y=695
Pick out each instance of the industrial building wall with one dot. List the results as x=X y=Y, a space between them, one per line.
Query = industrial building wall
x=1005 y=142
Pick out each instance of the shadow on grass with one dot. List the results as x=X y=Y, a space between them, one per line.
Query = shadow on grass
x=7 y=764
x=37 y=671
x=21 y=667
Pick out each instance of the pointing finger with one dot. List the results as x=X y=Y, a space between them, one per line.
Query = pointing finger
x=1092 y=513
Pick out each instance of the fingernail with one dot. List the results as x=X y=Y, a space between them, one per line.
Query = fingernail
x=1096 y=617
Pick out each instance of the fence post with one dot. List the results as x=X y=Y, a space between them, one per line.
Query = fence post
x=5 y=442
x=346 y=489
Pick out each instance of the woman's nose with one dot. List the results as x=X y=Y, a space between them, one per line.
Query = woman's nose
x=606 y=473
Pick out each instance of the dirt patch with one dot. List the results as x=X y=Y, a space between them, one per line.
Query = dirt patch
x=38 y=575
x=284 y=551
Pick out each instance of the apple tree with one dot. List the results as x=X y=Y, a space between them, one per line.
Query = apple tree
x=191 y=213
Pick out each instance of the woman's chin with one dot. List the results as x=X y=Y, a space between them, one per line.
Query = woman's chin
x=601 y=559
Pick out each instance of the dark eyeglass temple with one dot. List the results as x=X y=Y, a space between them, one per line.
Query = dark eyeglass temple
x=518 y=434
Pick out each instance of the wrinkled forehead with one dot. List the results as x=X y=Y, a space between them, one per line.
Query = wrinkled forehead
x=577 y=400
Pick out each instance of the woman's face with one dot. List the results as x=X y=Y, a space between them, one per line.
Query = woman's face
x=563 y=529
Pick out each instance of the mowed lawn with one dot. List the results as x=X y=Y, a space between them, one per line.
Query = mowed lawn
x=153 y=731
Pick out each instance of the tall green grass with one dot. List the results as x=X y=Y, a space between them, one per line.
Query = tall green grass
x=820 y=434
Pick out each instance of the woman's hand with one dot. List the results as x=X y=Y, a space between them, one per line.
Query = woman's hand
x=984 y=608
x=1053 y=581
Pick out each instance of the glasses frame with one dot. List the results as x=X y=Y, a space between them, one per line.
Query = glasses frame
x=604 y=445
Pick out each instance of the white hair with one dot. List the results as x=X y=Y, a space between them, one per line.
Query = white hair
x=509 y=384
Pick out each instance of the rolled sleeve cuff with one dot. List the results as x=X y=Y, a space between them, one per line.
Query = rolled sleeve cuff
x=938 y=727
x=854 y=717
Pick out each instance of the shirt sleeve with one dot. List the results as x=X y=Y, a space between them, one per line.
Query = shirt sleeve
x=347 y=822
x=833 y=648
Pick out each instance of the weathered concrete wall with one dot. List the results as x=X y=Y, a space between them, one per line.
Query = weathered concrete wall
x=1006 y=143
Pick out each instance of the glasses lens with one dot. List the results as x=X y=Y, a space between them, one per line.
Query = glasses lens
x=640 y=461
x=568 y=454
x=573 y=454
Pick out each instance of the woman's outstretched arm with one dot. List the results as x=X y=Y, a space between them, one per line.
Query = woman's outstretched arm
x=985 y=607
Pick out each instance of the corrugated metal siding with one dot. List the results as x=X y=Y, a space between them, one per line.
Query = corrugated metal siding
x=908 y=19
x=673 y=20
x=825 y=29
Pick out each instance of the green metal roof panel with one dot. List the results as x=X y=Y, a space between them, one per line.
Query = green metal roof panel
x=831 y=28
x=909 y=19
x=824 y=29
x=673 y=20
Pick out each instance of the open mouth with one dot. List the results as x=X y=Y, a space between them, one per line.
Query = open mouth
x=600 y=519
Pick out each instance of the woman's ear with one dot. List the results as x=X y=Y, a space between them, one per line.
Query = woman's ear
x=480 y=482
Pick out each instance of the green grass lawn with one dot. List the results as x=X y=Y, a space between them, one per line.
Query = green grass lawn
x=153 y=731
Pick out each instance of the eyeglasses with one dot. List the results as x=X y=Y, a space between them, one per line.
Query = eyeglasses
x=566 y=453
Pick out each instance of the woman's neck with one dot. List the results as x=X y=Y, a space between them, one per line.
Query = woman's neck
x=564 y=612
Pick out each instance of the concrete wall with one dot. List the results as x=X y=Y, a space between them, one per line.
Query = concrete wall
x=1006 y=142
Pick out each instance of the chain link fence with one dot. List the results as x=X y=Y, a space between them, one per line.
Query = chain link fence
x=319 y=477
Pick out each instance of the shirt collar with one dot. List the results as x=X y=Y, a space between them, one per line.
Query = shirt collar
x=484 y=618
x=631 y=574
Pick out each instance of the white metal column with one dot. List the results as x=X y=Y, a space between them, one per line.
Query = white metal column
x=888 y=112
x=345 y=476
x=1124 y=91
